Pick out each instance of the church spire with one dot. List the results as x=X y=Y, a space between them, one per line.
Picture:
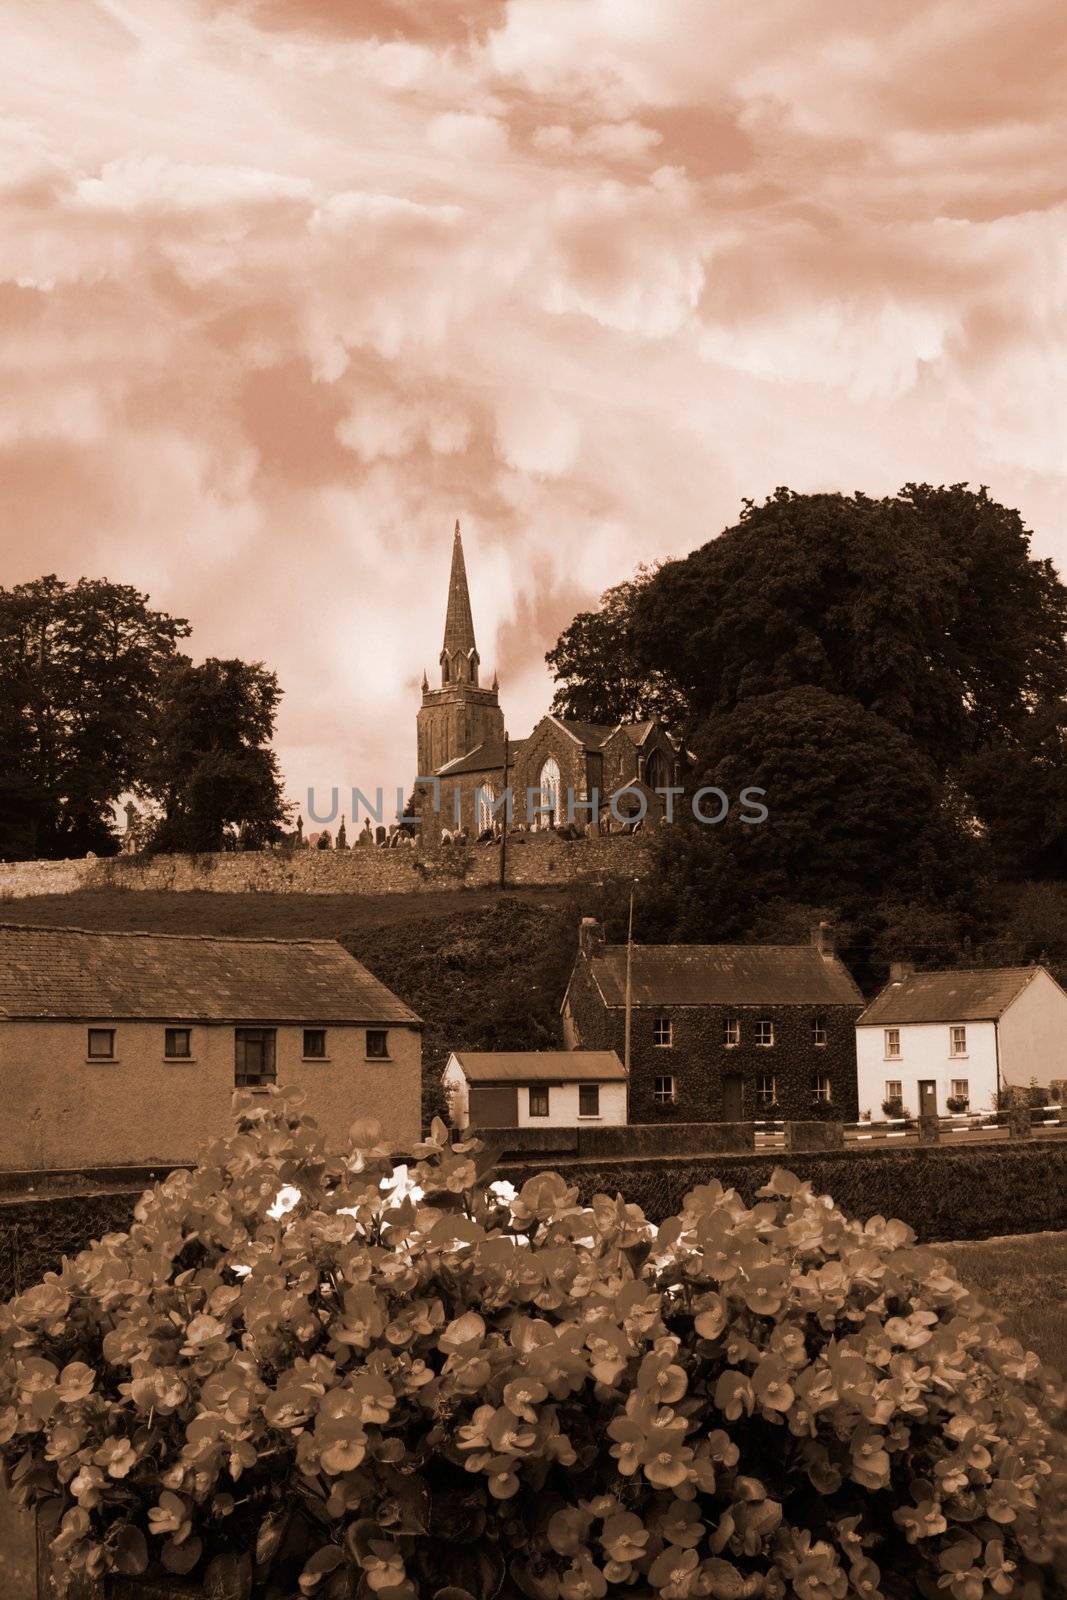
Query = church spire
x=459 y=624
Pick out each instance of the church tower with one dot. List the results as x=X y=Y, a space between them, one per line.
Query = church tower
x=459 y=716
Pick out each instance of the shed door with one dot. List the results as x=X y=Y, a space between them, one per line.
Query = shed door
x=733 y=1097
x=494 y=1105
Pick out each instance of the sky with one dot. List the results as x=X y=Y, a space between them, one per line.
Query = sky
x=287 y=286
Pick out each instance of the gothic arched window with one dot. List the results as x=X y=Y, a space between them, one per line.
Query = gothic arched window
x=656 y=775
x=444 y=669
x=551 y=794
x=486 y=793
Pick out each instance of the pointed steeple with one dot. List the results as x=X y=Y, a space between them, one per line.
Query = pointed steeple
x=459 y=624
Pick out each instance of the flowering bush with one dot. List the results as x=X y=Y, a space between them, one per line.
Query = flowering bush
x=894 y=1108
x=342 y=1377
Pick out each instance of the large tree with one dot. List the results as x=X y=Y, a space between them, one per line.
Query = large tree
x=598 y=673
x=927 y=608
x=212 y=772
x=80 y=666
x=855 y=812
x=1019 y=786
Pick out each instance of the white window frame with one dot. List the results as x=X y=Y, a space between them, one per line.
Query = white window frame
x=822 y=1090
x=731 y=1032
x=765 y=1023
x=538 y=1089
x=891 y=1054
x=957 y=1046
x=659 y=1025
x=818 y=1032
x=668 y=1096
x=894 y=1089
x=766 y=1097
x=591 y=1116
x=960 y=1088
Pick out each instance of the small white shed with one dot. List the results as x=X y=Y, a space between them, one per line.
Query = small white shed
x=535 y=1088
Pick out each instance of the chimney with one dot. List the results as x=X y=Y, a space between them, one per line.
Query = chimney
x=590 y=937
x=899 y=970
x=822 y=937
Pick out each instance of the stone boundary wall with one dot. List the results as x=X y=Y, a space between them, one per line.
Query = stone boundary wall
x=534 y=860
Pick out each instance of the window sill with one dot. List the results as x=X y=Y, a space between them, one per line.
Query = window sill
x=103 y=1061
x=386 y=1059
x=583 y=1117
x=892 y=1058
x=317 y=1059
x=179 y=1061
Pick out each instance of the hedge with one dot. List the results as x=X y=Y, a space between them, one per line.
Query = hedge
x=943 y=1193
x=36 y=1234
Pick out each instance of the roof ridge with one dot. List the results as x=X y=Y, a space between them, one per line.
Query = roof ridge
x=150 y=933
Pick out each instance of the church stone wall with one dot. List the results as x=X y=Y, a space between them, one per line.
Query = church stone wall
x=532 y=860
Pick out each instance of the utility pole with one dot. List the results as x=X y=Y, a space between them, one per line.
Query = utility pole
x=504 y=824
x=629 y=981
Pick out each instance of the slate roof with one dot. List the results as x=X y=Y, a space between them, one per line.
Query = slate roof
x=68 y=973
x=540 y=1066
x=487 y=757
x=591 y=734
x=981 y=995
x=724 y=974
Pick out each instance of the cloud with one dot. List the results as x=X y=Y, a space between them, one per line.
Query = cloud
x=287 y=285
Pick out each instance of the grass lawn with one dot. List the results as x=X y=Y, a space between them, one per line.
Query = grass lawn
x=1024 y=1276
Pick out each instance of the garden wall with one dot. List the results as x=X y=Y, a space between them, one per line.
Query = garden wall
x=535 y=859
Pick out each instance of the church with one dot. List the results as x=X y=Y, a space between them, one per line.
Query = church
x=462 y=742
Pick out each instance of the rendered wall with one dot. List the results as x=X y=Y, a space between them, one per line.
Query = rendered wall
x=61 y=1110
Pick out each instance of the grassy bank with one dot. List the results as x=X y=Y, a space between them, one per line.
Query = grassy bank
x=1025 y=1276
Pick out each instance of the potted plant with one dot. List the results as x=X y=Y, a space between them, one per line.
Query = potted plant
x=349 y=1377
x=957 y=1104
x=893 y=1110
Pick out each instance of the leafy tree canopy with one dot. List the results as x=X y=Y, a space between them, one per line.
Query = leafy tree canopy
x=926 y=607
x=80 y=666
x=599 y=675
x=211 y=770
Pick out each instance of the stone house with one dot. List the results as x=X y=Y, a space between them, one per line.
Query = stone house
x=535 y=1088
x=720 y=1033
x=929 y=1037
x=460 y=739
x=126 y=1048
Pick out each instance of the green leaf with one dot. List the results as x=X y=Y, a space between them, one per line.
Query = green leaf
x=229 y=1577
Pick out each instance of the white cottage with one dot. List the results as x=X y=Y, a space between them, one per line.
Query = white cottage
x=535 y=1088
x=932 y=1037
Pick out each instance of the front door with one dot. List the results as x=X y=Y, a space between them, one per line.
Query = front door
x=733 y=1097
x=927 y=1097
x=494 y=1105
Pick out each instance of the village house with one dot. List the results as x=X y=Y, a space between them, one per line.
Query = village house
x=563 y=766
x=535 y=1088
x=721 y=1033
x=127 y=1047
x=945 y=1041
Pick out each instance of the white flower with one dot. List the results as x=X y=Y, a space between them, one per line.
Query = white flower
x=285 y=1200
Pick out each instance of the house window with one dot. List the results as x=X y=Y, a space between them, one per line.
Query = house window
x=821 y=1094
x=101 y=1044
x=177 y=1043
x=253 y=1057
x=766 y=1089
x=377 y=1044
x=589 y=1099
x=731 y=1032
x=894 y=1089
x=765 y=1033
x=961 y=1089
x=663 y=1090
x=662 y=1035
x=818 y=1032
x=892 y=1044
x=539 y=1102
x=959 y=1041
x=314 y=1044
